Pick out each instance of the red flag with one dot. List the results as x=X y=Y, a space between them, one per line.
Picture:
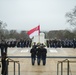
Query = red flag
x=34 y=31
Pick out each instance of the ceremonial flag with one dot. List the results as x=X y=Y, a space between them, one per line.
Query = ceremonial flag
x=34 y=31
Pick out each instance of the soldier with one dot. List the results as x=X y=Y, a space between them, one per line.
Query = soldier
x=6 y=46
x=3 y=47
x=38 y=52
x=35 y=46
x=43 y=53
x=33 y=55
x=4 y=64
x=47 y=42
x=74 y=43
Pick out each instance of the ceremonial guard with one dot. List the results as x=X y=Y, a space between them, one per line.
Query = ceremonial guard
x=33 y=55
x=43 y=54
x=39 y=54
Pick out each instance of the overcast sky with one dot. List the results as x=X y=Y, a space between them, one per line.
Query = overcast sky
x=27 y=14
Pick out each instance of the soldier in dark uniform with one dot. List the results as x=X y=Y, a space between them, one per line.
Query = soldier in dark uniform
x=3 y=47
x=43 y=54
x=6 y=46
x=4 y=64
x=74 y=43
x=47 y=42
x=35 y=46
x=33 y=55
x=38 y=52
x=55 y=43
x=29 y=44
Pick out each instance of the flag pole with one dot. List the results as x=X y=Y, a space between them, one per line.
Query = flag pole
x=39 y=33
x=39 y=37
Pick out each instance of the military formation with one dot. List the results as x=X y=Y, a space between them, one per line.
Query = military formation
x=21 y=43
x=50 y=43
x=58 y=43
x=38 y=51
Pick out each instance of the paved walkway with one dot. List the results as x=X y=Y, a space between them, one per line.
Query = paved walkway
x=50 y=68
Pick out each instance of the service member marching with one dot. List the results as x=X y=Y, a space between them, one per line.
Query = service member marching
x=39 y=54
x=33 y=55
x=43 y=53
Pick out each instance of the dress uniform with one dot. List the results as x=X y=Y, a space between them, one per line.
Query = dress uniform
x=43 y=54
x=4 y=64
x=3 y=47
x=38 y=52
x=33 y=55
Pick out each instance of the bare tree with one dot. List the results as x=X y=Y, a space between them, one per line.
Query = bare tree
x=71 y=17
x=24 y=35
x=14 y=34
x=2 y=27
